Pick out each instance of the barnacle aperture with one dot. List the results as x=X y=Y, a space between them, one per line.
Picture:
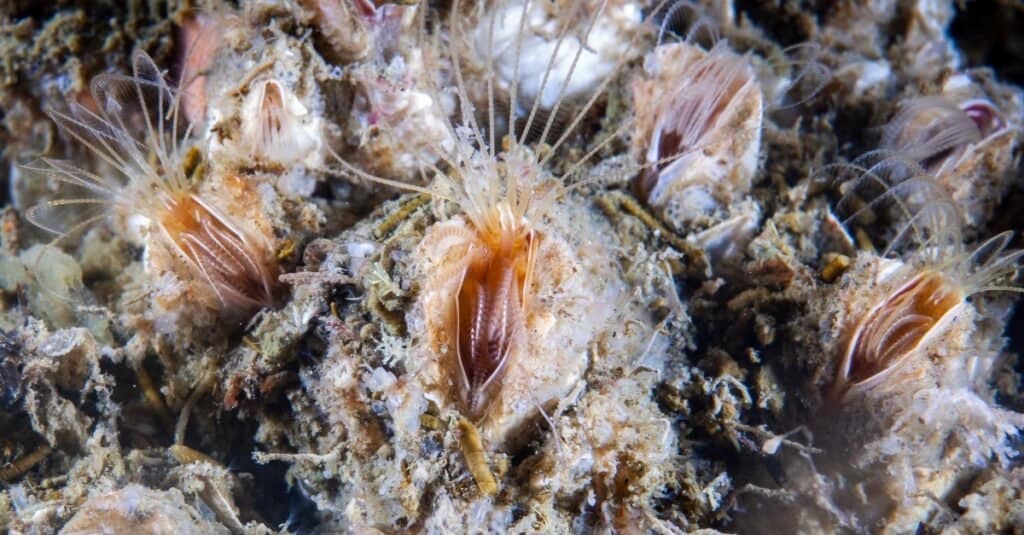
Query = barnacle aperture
x=698 y=117
x=154 y=186
x=489 y=315
x=231 y=262
x=890 y=333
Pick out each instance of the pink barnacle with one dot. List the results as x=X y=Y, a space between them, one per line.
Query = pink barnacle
x=985 y=116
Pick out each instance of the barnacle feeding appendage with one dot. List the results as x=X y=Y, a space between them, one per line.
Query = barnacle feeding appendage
x=941 y=280
x=153 y=191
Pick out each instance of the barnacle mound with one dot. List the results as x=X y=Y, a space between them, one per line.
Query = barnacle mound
x=576 y=266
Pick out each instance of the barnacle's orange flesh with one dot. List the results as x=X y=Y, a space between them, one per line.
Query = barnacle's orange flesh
x=895 y=328
x=489 y=316
x=239 y=271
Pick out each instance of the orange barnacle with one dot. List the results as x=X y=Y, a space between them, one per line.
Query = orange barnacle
x=210 y=234
x=233 y=264
x=897 y=326
x=485 y=312
x=923 y=288
x=489 y=310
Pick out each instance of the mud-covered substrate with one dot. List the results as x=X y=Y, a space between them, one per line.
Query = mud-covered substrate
x=694 y=374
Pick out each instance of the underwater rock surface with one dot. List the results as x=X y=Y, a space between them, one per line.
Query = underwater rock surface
x=488 y=266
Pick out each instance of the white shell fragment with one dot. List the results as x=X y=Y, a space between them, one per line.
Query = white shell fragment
x=544 y=68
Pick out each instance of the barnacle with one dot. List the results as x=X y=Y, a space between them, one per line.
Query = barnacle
x=931 y=131
x=135 y=508
x=962 y=140
x=276 y=127
x=199 y=38
x=923 y=291
x=698 y=126
x=481 y=267
x=894 y=328
x=485 y=266
x=150 y=189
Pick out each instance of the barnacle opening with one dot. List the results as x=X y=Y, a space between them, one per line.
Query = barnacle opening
x=708 y=89
x=148 y=182
x=235 y=267
x=489 y=318
x=931 y=131
x=276 y=128
x=936 y=275
x=891 y=331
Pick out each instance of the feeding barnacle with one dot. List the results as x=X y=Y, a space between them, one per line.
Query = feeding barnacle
x=497 y=275
x=698 y=126
x=961 y=139
x=909 y=339
x=212 y=238
x=920 y=294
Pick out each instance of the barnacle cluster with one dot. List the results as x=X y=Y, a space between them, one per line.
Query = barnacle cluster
x=562 y=266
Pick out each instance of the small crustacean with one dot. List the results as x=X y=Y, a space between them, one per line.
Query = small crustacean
x=919 y=295
x=212 y=238
x=481 y=269
x=698 y=127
